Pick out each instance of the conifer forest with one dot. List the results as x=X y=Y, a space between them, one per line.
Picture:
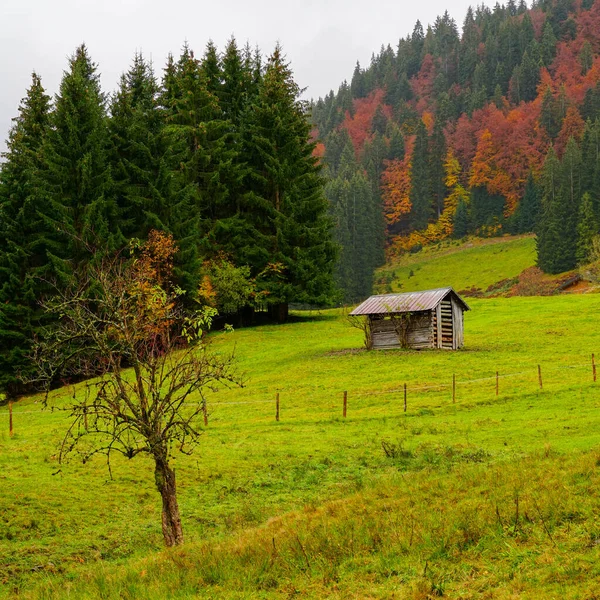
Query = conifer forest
x=485 y=129
x=218 y=154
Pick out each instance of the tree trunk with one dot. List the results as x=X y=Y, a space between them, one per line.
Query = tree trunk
x=279 y=312
x=164 y=477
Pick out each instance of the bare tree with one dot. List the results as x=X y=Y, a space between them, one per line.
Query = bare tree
x=363 y=323
x=122 y=324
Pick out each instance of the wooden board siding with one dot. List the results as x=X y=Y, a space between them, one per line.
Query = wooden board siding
x=457 y=313
x=447 y=324
x=418 y=337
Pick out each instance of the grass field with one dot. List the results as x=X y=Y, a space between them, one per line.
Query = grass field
x=488 y=497
x=478 y=263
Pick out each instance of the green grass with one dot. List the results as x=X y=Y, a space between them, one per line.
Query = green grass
x=477 y=263
x=312 y=506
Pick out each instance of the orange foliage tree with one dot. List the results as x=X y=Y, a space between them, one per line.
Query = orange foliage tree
x=395 y=186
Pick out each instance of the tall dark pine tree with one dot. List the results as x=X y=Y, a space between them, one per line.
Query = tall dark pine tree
x=587 y=229
x=356 y=216
x=437 y=156
x=557 y=228
x=293 y=253
x=75 y=178
x=149 y=184
x=24 y=240
x=420 y=192
x=195 y=119
x=528 y=213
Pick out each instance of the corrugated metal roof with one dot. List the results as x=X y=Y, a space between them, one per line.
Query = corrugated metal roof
x=408 y=302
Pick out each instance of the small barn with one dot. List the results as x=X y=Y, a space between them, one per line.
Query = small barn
x=417 y=320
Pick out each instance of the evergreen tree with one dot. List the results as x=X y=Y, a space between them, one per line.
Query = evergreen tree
x=75 y=178
x=25 y=240
x=586 y=58
x=397 y=145
x=146 y=163
x=548 y=45
x=293 y=253
x=548 y=117
x=587 y=229
x=211 y=67
x=233 y=95
x=437 y=174
x=556 y=235
x=529 y=74
x=357 y=85
x=209 y=164
x=461 y=220
x=380 y=121
x=590 y=173
x=530 y=208
x=420 y=192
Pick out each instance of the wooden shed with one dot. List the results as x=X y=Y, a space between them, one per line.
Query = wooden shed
x=417 y=320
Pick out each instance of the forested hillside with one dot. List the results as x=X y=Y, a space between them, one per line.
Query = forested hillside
x=489 y=130
x=217 y=155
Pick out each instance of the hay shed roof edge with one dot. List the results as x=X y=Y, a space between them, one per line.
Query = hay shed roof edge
x=406 y=302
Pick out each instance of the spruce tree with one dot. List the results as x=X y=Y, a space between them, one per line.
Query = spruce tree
x=587 y=229
x=146 y=160
x=293 y=254
x=437 y=174
x=195 y=122
x=556 y=234
x=461 y=220
x=397 y=146
x=75 y=178
x=420 y=191
x=211 y=68
x=528 y=213
x=234 y=90
x=25 y=240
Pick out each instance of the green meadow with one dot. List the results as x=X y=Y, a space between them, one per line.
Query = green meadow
x=486 y=496
x=477 y=263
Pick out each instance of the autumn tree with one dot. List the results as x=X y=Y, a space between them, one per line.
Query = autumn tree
x=121 y=323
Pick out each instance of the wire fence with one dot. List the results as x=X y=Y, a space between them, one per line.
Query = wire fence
x=407 y=390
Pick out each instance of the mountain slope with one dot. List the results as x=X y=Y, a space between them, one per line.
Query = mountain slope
x=471 y=133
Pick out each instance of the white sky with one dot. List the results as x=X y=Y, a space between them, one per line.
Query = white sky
x=322 y=38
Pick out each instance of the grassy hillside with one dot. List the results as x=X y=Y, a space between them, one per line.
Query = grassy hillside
x=477 y=263
x=489 y=496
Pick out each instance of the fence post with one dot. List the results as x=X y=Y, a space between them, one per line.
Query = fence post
x=85 y=417
x=10 y=419
x=497 y=383
x=345 y=404
x=453 y=387
x=404 y=397
x=594 y=367
x=540 y=377
x=205 y=412
x=277 y=406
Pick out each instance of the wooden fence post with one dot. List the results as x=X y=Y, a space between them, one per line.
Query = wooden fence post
x=10 y=419
x=594 y=367
x=404 y=397
x=497 y=383
x=277 y=406
x=85 y=417
x=205 y=413
x=453 y=387
x=540 y=377
x=345 y=404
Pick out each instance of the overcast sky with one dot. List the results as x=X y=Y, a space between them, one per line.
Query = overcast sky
x=323 y=39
